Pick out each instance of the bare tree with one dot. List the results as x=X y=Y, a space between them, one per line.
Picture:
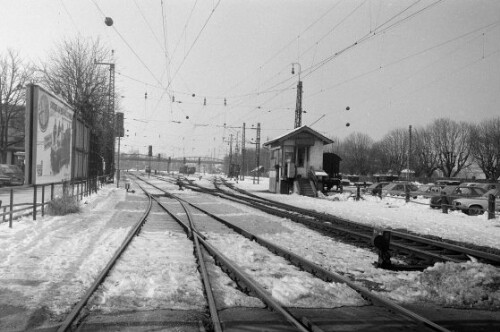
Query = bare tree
x=71 y=72
x=394 y=149
x=425 y=157
x=14 y=75
x=485 y=147
x=452 y=145
x=355 y=153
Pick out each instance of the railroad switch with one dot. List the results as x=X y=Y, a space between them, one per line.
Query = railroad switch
x=382 y=240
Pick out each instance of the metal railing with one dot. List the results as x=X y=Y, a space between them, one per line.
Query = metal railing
x=444 y=206
x=31 y=200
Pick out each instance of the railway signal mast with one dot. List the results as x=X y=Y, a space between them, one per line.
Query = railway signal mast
x=298 y=105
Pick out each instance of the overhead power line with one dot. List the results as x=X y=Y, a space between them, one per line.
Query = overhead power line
x=284 y=47
x=128 y=45
x=194 y=42
x=379 y=29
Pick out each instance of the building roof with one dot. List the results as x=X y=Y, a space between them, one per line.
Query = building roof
x=303 y=129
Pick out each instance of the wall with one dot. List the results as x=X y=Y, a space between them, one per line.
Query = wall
x=316 y=155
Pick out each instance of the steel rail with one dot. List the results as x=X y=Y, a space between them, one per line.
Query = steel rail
x=71 y=317
x=453 y=253
x=324 y=274
x=248 y=281
x=241 y=276
x=452 y=247
x=188 y=228
x=316 y=270
x=330 y=224
x=204 y=272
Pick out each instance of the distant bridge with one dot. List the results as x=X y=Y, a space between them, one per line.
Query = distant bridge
x=168 y=164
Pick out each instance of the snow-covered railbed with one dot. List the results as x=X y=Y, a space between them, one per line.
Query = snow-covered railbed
x=49 y=263
x=394 y=213
x=155 y=272
x=480 y=282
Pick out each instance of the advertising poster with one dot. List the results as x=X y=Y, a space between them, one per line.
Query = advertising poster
x=52 y=137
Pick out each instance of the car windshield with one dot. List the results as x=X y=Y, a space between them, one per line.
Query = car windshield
x=448 y=189
x=8 y=169
x=495 y=192
x=425 y=187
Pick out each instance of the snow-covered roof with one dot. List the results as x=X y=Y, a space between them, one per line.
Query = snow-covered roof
x=296 y=131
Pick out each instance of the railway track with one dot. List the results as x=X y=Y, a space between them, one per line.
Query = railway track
x=149 y=232
x=251 y=284
x=420 y=251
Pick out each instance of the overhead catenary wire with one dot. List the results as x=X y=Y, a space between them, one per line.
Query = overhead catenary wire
x=397 y=61
x=149 y=26
x=313 y=68
x=187 y=54
x=194 y=42
x=128 y=45
x=308 y=71
x=183 y=33
x=285 y=46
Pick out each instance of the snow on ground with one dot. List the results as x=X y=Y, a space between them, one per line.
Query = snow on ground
x=155 y=272
x=287 y=284
x=50 y=262
x=394 y=213
x=463 y=285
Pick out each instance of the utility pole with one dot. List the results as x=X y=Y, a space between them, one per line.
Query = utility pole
x=257 y=152
x=236 y=157
x=230 y=154
x=298 y=104
x=111 y=107
x=408 y=157
x=243 y=152
x=237 y=147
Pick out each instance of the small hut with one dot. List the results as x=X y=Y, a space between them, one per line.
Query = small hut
x=297 y=162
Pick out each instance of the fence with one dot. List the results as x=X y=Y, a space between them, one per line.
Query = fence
x=29 y=203
x=444 y=205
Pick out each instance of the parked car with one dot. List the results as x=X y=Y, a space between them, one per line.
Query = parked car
x=429 y=190
x=476 y=206
x=400 y=189
x=346 y=183
x=11 y=175
x=449 y=182
x=4 y=180
x=464 y=190
x=486 y=186
x=375 y=188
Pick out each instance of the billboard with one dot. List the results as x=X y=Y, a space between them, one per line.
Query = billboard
x=49 y=137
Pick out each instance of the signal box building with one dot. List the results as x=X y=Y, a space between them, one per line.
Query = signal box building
x=297 y=162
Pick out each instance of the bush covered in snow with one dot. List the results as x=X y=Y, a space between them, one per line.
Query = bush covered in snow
x=64 y=205
x=458 y=285
x=468 y=284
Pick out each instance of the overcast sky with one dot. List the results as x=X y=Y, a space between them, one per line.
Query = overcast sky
x=393 y=63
